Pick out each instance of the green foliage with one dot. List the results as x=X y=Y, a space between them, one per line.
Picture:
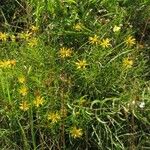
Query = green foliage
x=74 y=74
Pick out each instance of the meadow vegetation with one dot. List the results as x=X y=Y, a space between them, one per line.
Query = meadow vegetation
x=74 y=75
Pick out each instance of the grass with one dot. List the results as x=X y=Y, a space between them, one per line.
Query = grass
x=74 y=75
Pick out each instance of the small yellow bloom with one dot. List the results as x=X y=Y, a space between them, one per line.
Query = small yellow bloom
x=23 y=90
x=13 y=38
x=76 y=132
x=34 y=28
x=3 y=36
x=54 y=117
x=32 y=42
x=7 y=63
x=12 y=62
x=24 y=106
x=38 y=101
x=105 y=43
x=22 y=79
x=65 y=52
x=116 y=28
x=78 y=27
x=94 y=40
x=130 y=41
x=24 y=35
x=81 y=64
x=127 y=63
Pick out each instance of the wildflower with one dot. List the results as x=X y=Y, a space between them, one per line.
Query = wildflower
x=38 y=101
x=94 y=40
x=127 y=63
x=65 y=52
x=54 y=117
x=130 y=41
x=78 y=27
x=12 y=62
x=76 y=132
x=105 y=43
x=22 y=79
x=81 y=64
x=23 y=90
x=34 y=28
x=24 y=35
x=3 y=36
x=7 y=63
x=32 y=42
x=142 y=105
x=24 y=106
x=13 y=38
x=116 y=28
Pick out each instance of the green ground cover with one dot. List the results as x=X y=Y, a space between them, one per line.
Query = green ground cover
x=74 y=75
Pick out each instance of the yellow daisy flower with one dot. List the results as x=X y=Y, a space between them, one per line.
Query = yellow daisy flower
x=24 y=106
x=3 y=36
x=78 y=27
x=94 y=40
x=32 y=42
x=54 y=117
x=24 y=35
x=38 y=101
x=130 y=41
x=76 y=132
x=23 y=90
x=13 y=38
x=127 y=63
x=22 y=79
x=81 y=64
x=105 y=43
x=34 y=28
x=65 y=52
x=12 y=62
x=7 y=63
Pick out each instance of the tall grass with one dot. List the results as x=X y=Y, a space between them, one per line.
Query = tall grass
x=74 y=75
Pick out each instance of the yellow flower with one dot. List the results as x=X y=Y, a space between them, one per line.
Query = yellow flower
x=38 y=101
x=12 y=62
x=54 y=117
x=23 y=90
x=130 y=41
x=105 y=43
x=3 y=36
x=13 y=38
x=127 y=63
x=24 y=106
x=32 y=42
x=78 y=27
x=116 y=28
x=24 y=35
x=34 y=28
x=81 y=64
x=7 y=63
x=94 y=40
x=21 y=79
x=65 y=52
x=76 y=132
